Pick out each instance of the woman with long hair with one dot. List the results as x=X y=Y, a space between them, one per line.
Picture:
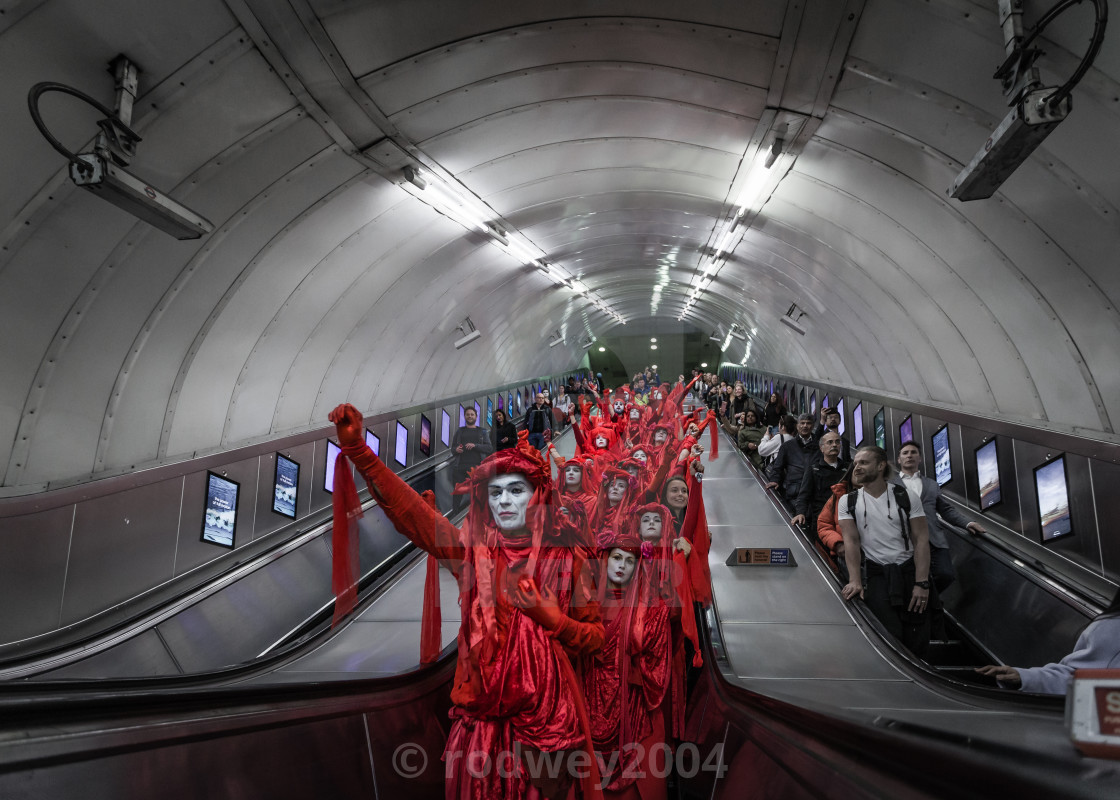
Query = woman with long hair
x=504 y=432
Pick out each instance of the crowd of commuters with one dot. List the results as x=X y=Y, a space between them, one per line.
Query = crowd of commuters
x=580 y=580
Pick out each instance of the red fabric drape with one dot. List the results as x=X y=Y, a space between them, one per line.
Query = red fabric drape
x=344 y=540
x=431 y=623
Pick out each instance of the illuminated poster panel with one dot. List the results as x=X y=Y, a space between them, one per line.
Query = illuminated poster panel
x=285 y=487
x=1053 y=499
x=843 y=422
x=489 y=412
x=987 y=475
x=328 y=473
x=425 y=436
x=445 y=428
x=813 y=403
x=942 y=463
x=220 y=519
x=374 y=442
x=400 y=451
x=881 y=428
x=462 y=417
x=857 y=424
x=906 y=431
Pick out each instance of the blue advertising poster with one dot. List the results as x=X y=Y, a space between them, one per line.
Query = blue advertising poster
x=328 y=474
x=489 y=412
x=374 y=442
x=987 y=475
x=1053 y=499
x=906 y=430
x=942 y=465
x=881 y=428
x=221 y=510
x=285 y=487
x=400 y=453
x=445 y=428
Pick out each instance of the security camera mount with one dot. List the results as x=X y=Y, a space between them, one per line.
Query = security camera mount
x=102 y=170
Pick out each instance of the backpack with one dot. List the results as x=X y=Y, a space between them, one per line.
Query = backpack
x=902 y=497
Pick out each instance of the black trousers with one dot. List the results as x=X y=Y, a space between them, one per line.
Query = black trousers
x=887 y=590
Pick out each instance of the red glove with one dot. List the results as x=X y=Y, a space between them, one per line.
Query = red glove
x=348 y=424
x=537 y=604
x=547 y=435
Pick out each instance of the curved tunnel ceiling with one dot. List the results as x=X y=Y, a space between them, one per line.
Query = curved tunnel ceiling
x=616 y=137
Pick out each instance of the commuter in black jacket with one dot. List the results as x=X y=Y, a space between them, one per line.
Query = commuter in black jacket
x=816 y=484
x=789 y=465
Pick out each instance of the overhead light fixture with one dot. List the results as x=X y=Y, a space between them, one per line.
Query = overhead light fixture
x=794 y=322
x=430 y=190
x=703 y=365
x=102 y=172
x=737 y=332
x=653 y=347
x=470 y=334
x=653 y=339
x=602 y=349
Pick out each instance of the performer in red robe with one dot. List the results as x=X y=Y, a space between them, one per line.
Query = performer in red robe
x=626 y=680
x=618 y=490
x=528 y=604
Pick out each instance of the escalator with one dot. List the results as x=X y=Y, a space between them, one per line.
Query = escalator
x=799 y=697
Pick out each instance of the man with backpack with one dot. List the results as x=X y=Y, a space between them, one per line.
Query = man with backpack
x=886 y=523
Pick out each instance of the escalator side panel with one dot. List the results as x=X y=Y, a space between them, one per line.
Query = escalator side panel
x=988 y=594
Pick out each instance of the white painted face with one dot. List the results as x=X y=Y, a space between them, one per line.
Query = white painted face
x=640 y=455
x=508 y=497
x=650 y=526
x=659 y=436
x=619 y=406
x=573 y=476
x=617 y=490
x=634 y=470
x=635 y=414
x=693 y=429
x=601 y=442
x=620 y=567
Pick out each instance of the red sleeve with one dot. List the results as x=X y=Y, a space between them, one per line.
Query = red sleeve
x=695 y=529
x=581 y=631
x=651 y=646
x=410 y=515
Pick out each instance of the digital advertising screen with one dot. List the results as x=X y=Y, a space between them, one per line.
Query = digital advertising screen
x=987 y=475
x=501 y=402
x=520 y=406
x=843 y=420
x=285 y=487
x=477 y=411
x=813 y=403
x=374 y=442
x=906 y=431
x=220 y=519
x=445 y=428
x=881 y=428
x=857 y=424
x=800 y=406
x=942 y=464
x=328 y=474
x=462 y=416
x=425 y=436
x=509 y=405
x=825 y=403
x=400 y=450
x=1053 y=499
x=489 y=413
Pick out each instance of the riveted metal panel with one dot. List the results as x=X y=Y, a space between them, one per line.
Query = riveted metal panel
x=123 y=544
x=208 y=380
x=36 y=548
x=716 y=51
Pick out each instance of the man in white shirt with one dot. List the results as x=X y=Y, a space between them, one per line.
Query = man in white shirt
x=896 y=544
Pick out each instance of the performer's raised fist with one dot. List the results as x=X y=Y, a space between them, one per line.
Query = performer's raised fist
x=348 y=423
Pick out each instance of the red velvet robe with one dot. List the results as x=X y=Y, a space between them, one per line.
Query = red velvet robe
x=509 y=687
x=625 y=683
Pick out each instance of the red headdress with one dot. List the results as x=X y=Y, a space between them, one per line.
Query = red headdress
x=606 y=519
